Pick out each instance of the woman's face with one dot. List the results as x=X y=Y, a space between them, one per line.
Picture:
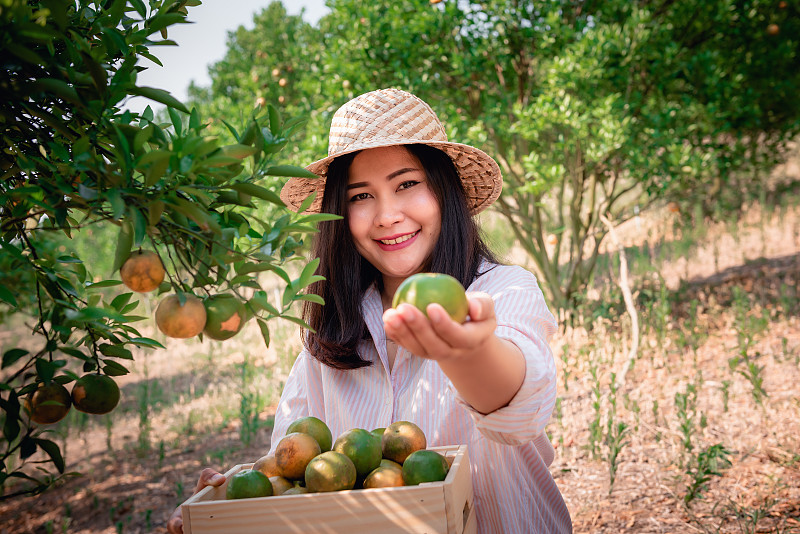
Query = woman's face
x=394 y=217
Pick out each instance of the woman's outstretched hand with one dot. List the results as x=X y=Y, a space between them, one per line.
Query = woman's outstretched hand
x=208 y=477
x=438 y=337
x=486 y=370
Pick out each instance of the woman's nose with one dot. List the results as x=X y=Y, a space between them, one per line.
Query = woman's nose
x=389 y=212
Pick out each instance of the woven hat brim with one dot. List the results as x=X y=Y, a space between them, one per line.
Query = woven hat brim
x=479 y=172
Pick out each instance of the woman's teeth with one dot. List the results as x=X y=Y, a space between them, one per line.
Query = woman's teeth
x=398 y=240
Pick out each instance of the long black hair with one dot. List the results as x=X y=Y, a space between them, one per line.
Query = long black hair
x=339 y=324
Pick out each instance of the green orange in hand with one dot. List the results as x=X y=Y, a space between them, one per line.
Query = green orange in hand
x=422 y=289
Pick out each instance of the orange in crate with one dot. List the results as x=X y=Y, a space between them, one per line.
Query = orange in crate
x=444 y=506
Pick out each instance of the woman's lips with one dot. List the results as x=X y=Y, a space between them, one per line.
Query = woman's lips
x=402 y=241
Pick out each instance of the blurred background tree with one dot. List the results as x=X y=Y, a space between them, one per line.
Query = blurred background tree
x=79 y=170
x=590 y=107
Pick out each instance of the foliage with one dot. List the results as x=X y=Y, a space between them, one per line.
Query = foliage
x=590 y=107
x=74 y=161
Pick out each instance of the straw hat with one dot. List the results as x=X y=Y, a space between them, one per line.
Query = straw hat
x=389 y=117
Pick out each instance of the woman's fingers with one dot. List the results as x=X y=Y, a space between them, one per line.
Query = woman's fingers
x=175 y=522
x=209 y=477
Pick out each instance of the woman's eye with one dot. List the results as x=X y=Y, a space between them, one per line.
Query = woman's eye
x=408 y=183
x=360 y=196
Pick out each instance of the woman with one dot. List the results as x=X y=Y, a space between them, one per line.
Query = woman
x=407 y=197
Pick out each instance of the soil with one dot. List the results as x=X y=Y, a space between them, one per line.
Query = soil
x=131 y=484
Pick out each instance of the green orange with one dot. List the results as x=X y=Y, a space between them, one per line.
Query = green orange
x=225 y=316
x=314 y=427
x=424 y=466
x=330 y=471
x=362 y=447
x=248 y=484
x=422 y=289
x=95 y=394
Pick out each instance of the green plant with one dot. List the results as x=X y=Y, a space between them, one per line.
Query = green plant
x=726 y=386
x=616 y=434
x=595 y=426
x=686 y=406
x=708 y=463
x=251 y=403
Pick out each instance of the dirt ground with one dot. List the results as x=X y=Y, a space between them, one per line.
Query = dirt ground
x=124 y=487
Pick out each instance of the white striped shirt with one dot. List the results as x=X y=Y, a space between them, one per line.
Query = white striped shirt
x=508 y=449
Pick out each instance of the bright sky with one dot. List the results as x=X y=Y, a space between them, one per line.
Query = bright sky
x=203 y=43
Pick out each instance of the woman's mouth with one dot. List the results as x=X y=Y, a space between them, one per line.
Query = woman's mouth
x=397 y=242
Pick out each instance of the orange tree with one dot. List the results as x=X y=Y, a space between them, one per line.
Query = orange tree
x=590 y=107
x=73 y=159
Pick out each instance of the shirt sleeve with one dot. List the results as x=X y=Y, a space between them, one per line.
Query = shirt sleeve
x=293 y=403
x=523 y=319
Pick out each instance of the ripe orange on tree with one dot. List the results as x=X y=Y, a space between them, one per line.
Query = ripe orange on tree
x=400 y=439
x=422 y=289
x=142 y=271
x=95 y=394
x=225 y=316
x=181 y=321
x=48 y=404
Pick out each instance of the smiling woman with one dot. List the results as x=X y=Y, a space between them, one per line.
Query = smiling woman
x=406 y=196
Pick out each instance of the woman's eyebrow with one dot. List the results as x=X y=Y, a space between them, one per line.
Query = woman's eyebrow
x=390 y=176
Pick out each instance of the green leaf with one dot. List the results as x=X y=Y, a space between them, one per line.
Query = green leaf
x=7 y=296
x=238 y=151
x=139 y=226
x=159 y=95
x=116 y=351
x=104 y=283
x=260 y=301
x=124 y=242
x=112 y=368
x=262 y=325
x=46 y=369
x=291 y=171
x=13 y=355
x=52 y=451
x=274 y=120
x=308 y=272
x=146 y=342
x=11 y=424
x=318 y=217
x=258 y=192
x=312 y=297
x=121 y=300
x=298 y=322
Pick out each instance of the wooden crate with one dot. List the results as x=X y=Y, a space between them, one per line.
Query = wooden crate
x=431 y=507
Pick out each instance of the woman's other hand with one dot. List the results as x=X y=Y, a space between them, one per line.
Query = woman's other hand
x=208 y=477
